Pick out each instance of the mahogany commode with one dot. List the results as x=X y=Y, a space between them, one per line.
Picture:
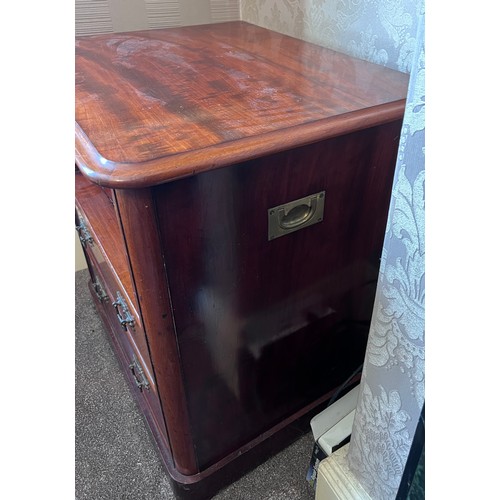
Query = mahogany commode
x=232 y=193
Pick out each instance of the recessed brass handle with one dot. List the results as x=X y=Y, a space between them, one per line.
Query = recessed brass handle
x=295 y=215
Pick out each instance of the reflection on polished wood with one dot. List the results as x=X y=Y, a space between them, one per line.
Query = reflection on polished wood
x=264 y=327
x=184 y=100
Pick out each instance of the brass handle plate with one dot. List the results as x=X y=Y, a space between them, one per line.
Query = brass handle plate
x=295 y=215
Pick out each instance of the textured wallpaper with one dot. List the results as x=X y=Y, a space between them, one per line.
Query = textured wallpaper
x=104 y=16
x=380 y=31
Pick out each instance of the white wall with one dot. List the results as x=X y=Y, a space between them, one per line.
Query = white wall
x=104 y=16
x=80 y=262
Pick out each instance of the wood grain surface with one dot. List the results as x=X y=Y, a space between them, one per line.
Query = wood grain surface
x=157 y=105
x=137 y=216
x=263 y=327
x=109 y=249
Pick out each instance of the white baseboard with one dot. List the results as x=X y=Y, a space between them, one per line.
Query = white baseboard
x=336 y=481
x=331 y=415
x=332 y=438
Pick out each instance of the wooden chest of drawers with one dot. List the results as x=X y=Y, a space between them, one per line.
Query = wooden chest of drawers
x=232 y=194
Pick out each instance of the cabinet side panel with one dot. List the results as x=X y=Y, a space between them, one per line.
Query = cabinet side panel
x=137 y=215
x=266 y=327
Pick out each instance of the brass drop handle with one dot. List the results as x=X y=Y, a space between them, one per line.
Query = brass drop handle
x=297 y=215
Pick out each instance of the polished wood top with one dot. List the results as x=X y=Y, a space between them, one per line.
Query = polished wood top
x=152 y=106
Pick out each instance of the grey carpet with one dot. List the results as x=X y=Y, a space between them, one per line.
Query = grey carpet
x=115 y=457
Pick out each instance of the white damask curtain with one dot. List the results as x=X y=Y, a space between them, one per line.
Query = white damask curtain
x=392 y=385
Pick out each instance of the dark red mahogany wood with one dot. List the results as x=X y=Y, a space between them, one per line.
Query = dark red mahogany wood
x=137 y=215
x=265 y=327
x=157 y=105
x=109 y=254
x=194 y=133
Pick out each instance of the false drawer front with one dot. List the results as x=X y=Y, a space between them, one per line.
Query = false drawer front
x=134 y=367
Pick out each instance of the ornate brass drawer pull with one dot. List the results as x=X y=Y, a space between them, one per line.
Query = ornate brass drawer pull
x=124 y=317
x=138 y=373
x=100 y=290
x=84 y=234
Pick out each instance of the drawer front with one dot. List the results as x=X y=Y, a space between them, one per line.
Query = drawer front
x=127 y=318
x=134 y=368
x=90 y=243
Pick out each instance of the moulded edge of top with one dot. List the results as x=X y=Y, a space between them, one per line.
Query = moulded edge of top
x=156 y=171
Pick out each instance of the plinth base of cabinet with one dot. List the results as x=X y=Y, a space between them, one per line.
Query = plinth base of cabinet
x=220 y=476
